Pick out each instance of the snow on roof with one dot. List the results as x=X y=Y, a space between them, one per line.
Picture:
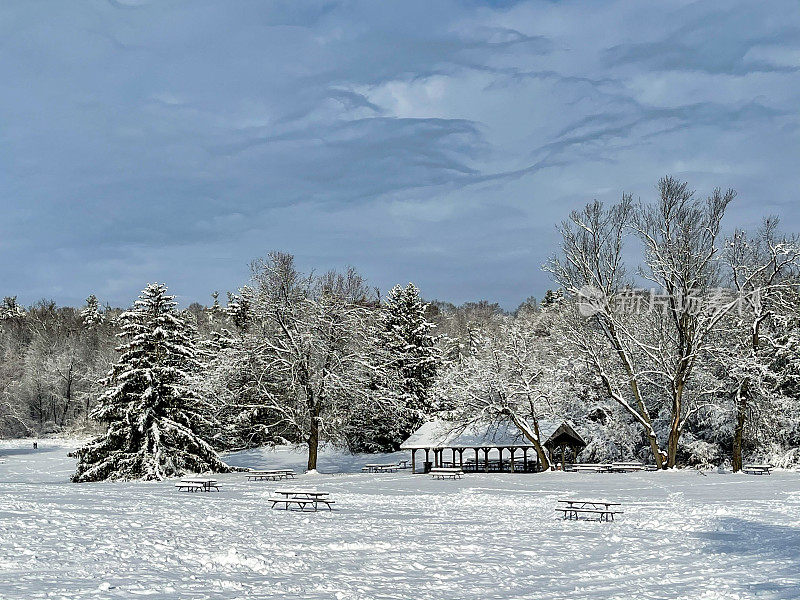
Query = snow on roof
x=449 y=434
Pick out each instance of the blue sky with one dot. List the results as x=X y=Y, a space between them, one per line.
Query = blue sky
x=435 y=142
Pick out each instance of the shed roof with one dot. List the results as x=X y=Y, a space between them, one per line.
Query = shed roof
x=564 y=434
x=450 y=434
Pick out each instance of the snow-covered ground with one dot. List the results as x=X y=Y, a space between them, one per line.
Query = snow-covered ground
x=394 y=535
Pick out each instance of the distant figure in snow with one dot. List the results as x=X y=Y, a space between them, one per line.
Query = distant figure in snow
x=35 y=445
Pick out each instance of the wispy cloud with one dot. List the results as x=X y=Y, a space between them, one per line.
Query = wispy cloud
x=438 y=142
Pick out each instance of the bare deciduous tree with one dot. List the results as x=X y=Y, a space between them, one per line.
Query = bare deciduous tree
x=656 y=353
x=314 y=340
x=763 y=270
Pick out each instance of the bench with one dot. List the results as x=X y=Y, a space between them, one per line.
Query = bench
x=446 y=473
x=757 y=469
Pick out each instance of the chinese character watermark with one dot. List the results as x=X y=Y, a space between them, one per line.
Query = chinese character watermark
x=592 y=301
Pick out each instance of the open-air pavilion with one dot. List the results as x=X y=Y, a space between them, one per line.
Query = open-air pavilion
x=489 y=447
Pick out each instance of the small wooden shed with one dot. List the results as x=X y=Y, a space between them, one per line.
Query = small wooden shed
x=562 y=438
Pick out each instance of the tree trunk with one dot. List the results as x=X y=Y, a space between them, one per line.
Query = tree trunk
x=67 y=396
x=658 y=455
x=533 y=436
x=641 y=415
x=672 y=446
x=313 y=443
x=674 y=430
x=738 y=433
x=741 y=401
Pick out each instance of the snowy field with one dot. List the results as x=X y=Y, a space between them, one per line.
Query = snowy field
x=394 y=535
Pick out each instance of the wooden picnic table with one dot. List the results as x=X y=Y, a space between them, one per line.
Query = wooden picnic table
x=197 y=484
x=615 y=467
x=271 y=470
x=381 y=468
x=603 y=509
x=270 y=474
x=590 y=468
x=626 y=467
x=757 y=469
x=446 y=473
x=302 y=498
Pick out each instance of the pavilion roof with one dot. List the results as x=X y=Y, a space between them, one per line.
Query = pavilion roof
x=450 y=434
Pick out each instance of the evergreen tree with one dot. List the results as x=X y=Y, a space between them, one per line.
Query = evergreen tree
x=216 y=313
x=406 y=335
x=240 y=308
x=9 y=309
x=91 y=315
x=153 y=416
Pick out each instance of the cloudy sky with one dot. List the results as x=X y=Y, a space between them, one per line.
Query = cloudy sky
x=430 y=141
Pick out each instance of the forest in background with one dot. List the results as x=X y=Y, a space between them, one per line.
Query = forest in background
x=688 y=357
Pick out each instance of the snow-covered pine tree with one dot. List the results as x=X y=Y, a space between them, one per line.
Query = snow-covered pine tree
x=91 y=315
x=216 y=314
x=9 y=309
x=152 y=414
x=240 y=308
x=407 y=336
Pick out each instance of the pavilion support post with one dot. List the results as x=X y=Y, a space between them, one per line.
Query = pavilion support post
x=461 y=458
x=413 y=460
x=427 y=458
x=486 y=459
x=454 y=457
x=512 y=450
x=563 y=456
x=525 y=460
x=476 y=460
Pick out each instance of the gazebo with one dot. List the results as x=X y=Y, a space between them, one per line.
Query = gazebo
x=497 y=446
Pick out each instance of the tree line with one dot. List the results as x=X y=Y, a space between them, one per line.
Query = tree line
x=663 y=340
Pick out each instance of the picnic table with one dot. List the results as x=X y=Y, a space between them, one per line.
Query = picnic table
x=590 y=468
x=381 y=468
x=270 y=474
x=197 y=484
x=627 y=467
x=302 y=498
x=572 y=509
x=446 y=473
x=757 y=469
